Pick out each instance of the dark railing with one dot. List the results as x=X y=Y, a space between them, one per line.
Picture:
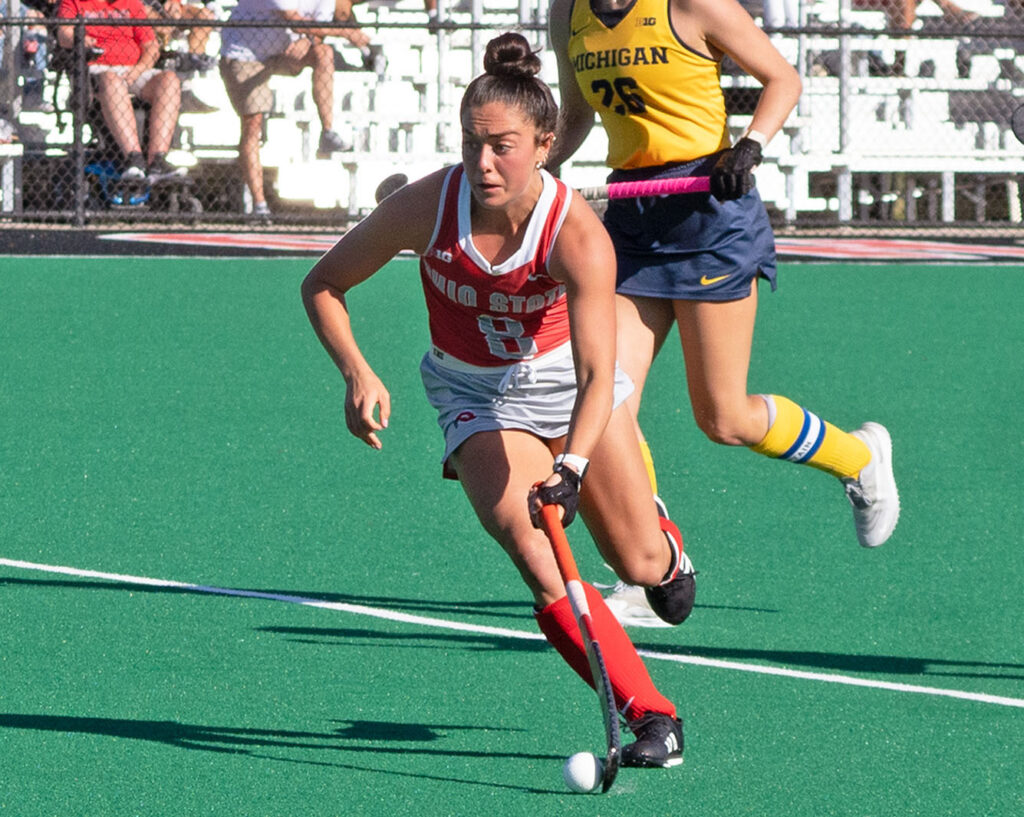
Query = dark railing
x=895 y=128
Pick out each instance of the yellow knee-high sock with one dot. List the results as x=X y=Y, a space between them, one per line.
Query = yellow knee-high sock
x=645 y=451
x=800 y=436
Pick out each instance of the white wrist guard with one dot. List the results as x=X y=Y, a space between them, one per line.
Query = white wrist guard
x=756 y=136
x=575 y=461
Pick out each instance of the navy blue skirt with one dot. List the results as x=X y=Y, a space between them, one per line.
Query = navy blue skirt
x=689 y=246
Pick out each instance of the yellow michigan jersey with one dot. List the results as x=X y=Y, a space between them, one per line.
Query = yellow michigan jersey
x=659 y=100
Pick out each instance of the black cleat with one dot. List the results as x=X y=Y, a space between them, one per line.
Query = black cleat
x=658 y=744
x=672 y=600
x=160 y=170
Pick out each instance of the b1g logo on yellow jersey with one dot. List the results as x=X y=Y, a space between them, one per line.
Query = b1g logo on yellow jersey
x=646 y=21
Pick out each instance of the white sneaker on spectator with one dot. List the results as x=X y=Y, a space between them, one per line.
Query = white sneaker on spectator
x=161 y=170
x=135 y=169
x=261 y=212
x=331 y=142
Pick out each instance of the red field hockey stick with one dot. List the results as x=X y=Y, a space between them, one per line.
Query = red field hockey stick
x=581 y=610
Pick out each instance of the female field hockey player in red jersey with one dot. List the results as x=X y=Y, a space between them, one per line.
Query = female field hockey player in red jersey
x=511 y=260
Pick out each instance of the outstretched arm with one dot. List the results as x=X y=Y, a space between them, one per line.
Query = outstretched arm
x=401 y=222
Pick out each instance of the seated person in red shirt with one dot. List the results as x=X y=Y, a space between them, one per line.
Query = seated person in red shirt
x=126 y=68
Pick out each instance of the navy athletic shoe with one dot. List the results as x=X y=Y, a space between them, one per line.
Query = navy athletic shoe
x=673 y=599
x=659 y=742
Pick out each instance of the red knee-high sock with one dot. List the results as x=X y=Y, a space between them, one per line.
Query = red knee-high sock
x=634 y=690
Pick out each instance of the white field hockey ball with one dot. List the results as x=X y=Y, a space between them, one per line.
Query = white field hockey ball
x=583 y=772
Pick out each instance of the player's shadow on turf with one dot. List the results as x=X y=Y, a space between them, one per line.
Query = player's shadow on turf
x=515 y=609
x=351 y=736
x=472 y=642
x=843 y=662
x=363 y=737
x=496 y=608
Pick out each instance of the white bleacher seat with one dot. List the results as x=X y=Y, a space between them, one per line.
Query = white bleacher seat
x=10 y=177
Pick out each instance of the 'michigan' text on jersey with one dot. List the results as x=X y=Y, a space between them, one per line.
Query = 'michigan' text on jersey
x=659 y=101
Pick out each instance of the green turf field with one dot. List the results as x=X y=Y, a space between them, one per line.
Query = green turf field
x=175 y=421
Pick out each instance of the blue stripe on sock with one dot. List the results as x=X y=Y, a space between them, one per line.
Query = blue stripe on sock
x=817 y=443
x=799 y=437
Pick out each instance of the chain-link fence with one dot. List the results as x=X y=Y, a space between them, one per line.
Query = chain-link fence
x=251 y=118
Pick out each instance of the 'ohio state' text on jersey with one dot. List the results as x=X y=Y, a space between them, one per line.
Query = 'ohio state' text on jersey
x=488 y=315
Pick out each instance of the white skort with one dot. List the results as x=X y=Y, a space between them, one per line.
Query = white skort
x=531 y=395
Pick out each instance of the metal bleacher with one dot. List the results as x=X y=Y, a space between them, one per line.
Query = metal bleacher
x=899 y=139
x=856 y=144
x=930 y=142
x=406 y=121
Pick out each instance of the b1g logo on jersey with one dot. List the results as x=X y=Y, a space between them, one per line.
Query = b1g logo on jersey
x=647 y=21
x=444 y=255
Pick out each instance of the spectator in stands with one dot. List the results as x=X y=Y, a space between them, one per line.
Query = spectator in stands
x=901 y=14
x=34 y=59
x=194 y=59
x=126 y=67
x=781 y=13
x=250 y=56
x=774 y=13
x=1012 y=18
x=430 y=7
x=1013 y=15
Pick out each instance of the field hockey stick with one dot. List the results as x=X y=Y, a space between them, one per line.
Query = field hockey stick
x=616 y=190
x=394 y=182
x=650 y=187
x=581 y=610
x=1017 y=123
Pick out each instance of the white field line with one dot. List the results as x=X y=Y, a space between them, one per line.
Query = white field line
x=427 y=621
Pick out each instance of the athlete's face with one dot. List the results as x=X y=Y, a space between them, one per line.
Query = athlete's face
x=501 y=153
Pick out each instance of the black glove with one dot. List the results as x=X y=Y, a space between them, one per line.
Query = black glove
x=566 y=493
x=732 y=175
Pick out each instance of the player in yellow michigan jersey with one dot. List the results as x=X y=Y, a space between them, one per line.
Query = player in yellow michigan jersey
x=650 y=69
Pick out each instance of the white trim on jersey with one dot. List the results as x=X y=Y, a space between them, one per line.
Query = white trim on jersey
x=561 y=216
x=440 y=206
x=528 y=249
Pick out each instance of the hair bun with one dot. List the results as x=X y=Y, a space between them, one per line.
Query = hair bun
x=510 y=55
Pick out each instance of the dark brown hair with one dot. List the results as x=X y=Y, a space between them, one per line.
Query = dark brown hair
x=510 y=76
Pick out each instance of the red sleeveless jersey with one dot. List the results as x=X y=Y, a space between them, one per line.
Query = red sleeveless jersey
x=493 y=316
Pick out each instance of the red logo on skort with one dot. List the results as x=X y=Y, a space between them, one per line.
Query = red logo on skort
x=464 y=417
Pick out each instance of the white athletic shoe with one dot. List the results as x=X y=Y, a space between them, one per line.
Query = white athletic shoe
x=629 y=605
x=873 y=495
x=132 y=173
